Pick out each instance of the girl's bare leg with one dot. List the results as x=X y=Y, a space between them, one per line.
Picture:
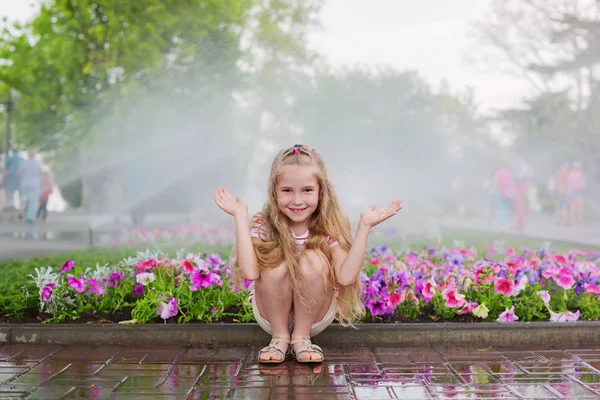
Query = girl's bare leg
x=312 y=269
x=273 y=296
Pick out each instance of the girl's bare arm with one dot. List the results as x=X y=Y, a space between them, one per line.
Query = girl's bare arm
x=347 y=265
x=246 y=257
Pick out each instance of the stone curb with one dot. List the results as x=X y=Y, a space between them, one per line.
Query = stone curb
x=571 y=334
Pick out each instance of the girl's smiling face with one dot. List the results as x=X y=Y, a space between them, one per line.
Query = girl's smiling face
x=298 y=194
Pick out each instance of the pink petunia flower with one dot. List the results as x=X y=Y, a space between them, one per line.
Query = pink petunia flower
x=428 y=291
x=593 y=289
x=187 y=266
x=168 y=310
x=565 y=280
x=504 y=286
x=395 y=300
x=507 y=316
x=545 y=296
x=412 y=260
x=564 y=316
x=77 y=284
x=453 y=298
x=469 y=307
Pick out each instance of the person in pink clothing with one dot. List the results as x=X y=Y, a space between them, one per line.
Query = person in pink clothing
x=504 y=185
x=561 y=193
x=576 y=187
x=522 y=181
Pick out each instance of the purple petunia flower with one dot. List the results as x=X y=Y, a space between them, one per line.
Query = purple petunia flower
x=47 y=292
x=138 y=290
x=68 y=266
x=376 y=307
x=77 y=284
x=214 y=260
x=115 y=279
x=96 y=287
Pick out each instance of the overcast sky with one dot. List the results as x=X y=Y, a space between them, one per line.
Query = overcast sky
x=430 y=36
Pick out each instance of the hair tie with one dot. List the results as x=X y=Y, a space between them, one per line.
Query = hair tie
x=297 y=148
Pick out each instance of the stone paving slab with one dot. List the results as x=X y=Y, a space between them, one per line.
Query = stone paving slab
x=124 y=372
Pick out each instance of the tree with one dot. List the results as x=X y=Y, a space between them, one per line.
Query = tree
x=553 y=45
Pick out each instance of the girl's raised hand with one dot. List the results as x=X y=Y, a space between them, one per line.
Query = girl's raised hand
x=228 y=204
x=373 y=216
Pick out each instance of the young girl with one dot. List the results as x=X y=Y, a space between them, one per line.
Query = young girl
x=300 y=254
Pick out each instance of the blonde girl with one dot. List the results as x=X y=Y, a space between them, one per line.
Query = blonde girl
x=300 y=254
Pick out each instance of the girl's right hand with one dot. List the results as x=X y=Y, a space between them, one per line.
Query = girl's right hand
x=227 y=203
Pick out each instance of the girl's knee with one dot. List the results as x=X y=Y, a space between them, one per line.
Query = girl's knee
x=277 y=274
x=312 y=266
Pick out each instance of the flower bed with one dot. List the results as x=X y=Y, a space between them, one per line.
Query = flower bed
x=429 y=285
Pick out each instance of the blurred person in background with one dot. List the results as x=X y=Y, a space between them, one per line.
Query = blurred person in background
x=11 y=179
x=30 y=171
x=522 y=182
x=561 y=194
x=576 y=184
x=46 y=190
x=504 y=186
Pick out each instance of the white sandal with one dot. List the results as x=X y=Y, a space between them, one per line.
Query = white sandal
x=308 y=347
x=271 y=348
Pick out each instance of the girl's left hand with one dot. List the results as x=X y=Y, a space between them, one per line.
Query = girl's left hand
x=372 y=216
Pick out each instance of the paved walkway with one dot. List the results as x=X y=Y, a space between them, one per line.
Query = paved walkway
x=56 y=372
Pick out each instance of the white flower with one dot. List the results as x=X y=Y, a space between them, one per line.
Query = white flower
x=481 y=311
x=144 y=278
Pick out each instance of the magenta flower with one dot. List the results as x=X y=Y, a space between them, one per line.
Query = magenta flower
x=96 y=287
x=77 y=284
x=504 y=286
x=376 y=306
x=168 y=310
x=68 y=266
x=200 y=279
x=47 y=292
x=453 y=298
x=508 y=316
x=138 y=290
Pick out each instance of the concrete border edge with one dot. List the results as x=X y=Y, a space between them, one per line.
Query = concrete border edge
x=570 y=334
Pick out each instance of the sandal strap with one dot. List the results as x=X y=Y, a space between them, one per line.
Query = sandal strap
x=277 y=339
x=272 y=346
x=308 y=346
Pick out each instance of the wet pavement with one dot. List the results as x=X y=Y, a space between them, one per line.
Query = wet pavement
x=115 y=372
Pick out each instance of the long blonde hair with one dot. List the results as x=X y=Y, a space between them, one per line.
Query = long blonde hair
x=327 y=220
